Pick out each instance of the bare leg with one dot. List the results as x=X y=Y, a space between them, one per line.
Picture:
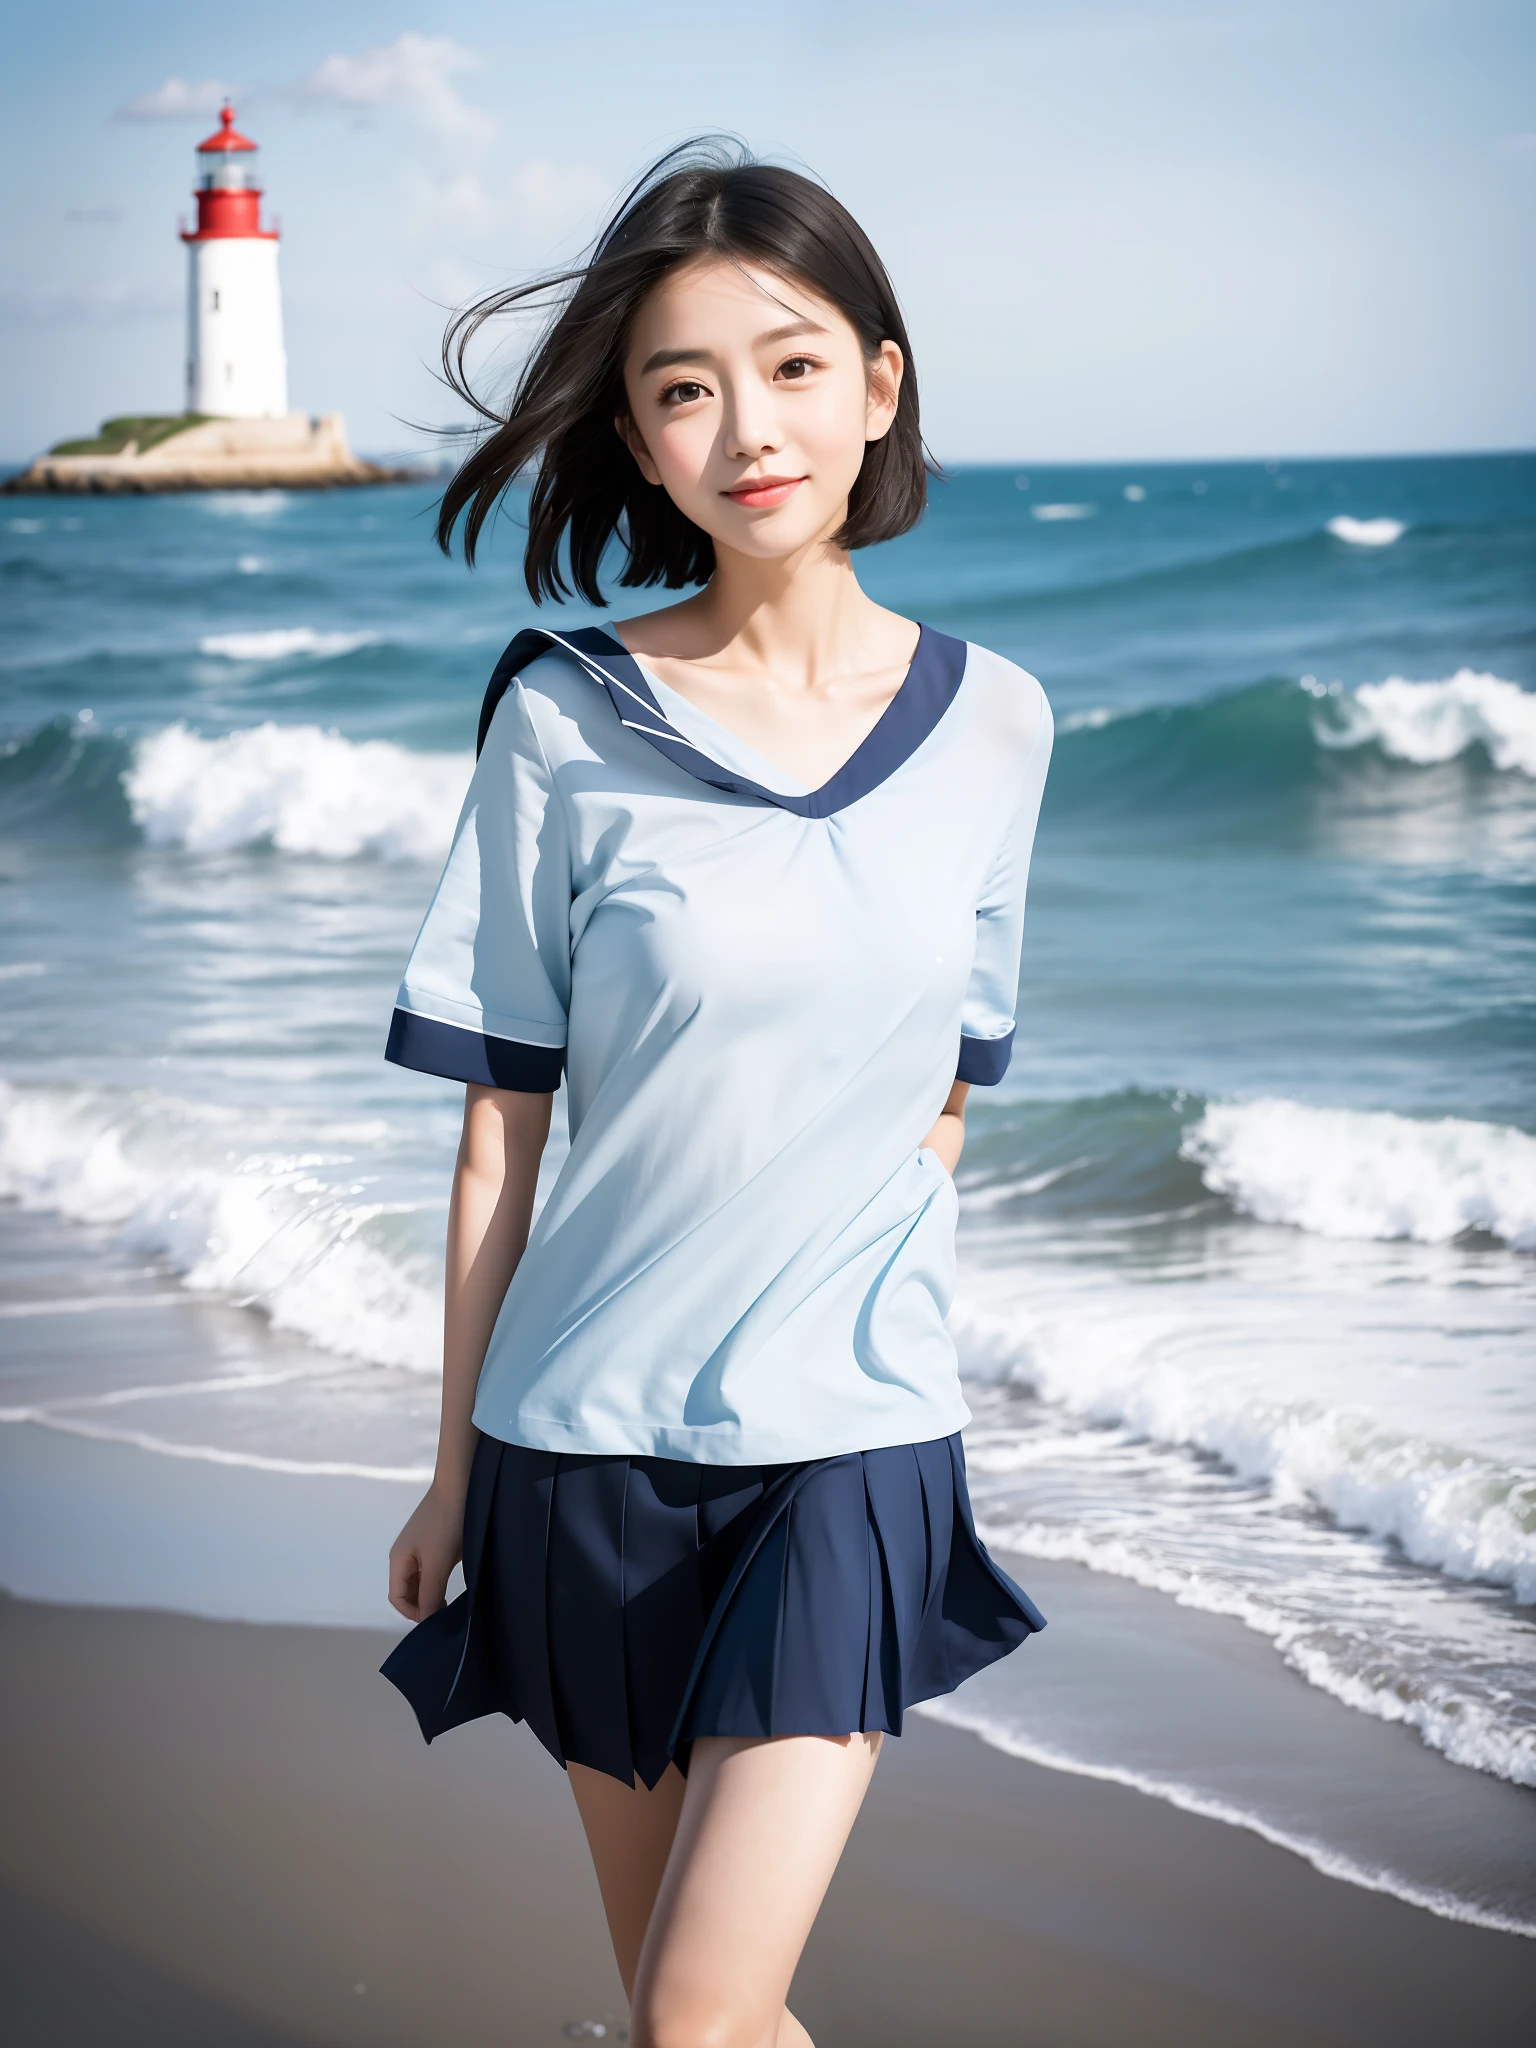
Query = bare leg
x=760 y=1832
x=629 y=1832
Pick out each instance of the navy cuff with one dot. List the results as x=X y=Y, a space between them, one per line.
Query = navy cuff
x=456 y=1053
x=984 y=1061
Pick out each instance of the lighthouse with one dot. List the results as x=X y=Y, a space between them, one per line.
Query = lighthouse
x=236 y=367
x=236 y=432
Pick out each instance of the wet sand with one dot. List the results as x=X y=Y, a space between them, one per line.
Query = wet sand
x=225 y=1833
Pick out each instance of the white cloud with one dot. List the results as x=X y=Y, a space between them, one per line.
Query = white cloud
x=174 y=99
x=415 y=72
x=458 y=196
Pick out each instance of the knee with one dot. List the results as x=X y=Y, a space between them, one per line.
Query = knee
x=695 y=2017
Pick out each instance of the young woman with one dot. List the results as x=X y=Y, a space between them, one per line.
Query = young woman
x=749 y=871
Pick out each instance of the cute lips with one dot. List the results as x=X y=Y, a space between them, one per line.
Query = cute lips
x=763 y=490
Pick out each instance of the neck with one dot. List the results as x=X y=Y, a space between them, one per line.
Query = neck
x=797 y=618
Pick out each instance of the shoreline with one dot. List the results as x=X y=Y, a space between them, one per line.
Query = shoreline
x=1128 y=1688
x=241 y=1822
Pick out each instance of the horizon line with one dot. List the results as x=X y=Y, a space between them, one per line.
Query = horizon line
x=1514 y=451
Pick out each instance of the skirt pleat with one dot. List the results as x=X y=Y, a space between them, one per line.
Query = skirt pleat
x=626 y=1607
x=664 y=1601
x=584 y=1593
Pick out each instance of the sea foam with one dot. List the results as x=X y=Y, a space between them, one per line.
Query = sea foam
x=1366 y=533
x=283 y=1230
x=296 y=788
x=1449 y=1711
x=1468 y=1515
x=1425 y=723
x=1347 y=1173
x=281 y=643
x=1136 y=1378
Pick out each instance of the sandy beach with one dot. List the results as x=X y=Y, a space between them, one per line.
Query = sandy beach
x=223 y=1833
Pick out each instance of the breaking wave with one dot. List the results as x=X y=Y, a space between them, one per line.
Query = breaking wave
x=1366 y=1173
x=1469 y=1516
x=1366 y=533
x=286 y=1229
x=1335 y=1173
x=1425 y=723
x=296 y=788
x=307 y=790
x=1264 y=750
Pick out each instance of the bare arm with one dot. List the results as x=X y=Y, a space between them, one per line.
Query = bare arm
x=489 y=1212
x=948 y=1135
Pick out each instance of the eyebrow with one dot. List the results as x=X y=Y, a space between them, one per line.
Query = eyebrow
x=668 y=358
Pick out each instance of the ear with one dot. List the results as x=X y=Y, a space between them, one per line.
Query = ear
x=630 y=435
x=884 y=380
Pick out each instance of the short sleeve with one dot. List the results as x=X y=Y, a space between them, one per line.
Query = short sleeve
x=487 y=986
x=987 y=1020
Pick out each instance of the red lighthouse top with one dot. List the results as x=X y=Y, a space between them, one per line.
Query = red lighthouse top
x=226 y=137
x=228 y=196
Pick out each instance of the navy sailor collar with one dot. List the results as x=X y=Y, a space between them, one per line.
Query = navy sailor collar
x=926 y=693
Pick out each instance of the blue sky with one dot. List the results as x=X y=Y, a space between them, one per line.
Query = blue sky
x=1130 y=230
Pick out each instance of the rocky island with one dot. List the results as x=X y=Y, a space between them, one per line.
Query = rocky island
x=197 y=452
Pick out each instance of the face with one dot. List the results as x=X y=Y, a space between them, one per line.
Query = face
x=751 y=403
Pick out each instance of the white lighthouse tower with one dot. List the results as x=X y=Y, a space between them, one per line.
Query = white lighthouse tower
x=236 y=367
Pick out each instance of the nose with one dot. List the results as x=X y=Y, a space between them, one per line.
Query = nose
x=751 y=421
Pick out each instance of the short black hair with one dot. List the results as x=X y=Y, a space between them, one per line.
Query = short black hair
x=710 y=197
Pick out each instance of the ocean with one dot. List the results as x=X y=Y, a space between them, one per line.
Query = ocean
x=1248 y=1240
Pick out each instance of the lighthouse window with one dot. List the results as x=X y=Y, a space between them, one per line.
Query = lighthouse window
x=215 y=302
x=226 y=170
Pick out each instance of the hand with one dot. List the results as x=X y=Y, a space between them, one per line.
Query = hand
x=947 y=1138
x=425 y=1553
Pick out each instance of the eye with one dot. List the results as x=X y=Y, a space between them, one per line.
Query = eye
x=684 y=392
x=796 y=368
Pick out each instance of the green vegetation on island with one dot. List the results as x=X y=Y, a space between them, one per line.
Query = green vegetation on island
x=146 y=430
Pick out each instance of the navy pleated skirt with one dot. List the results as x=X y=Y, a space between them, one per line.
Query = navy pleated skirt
x=625 y=1606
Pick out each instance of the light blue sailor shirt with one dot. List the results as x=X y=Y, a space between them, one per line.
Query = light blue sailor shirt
x=759 y=995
